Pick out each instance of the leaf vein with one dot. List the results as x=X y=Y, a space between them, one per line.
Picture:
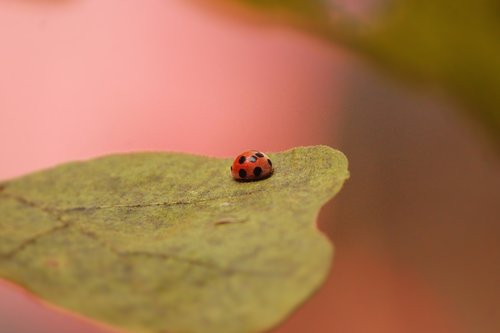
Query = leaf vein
x=32 y=240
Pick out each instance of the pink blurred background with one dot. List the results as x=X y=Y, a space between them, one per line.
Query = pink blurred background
x=83 y=78
x=415 y=226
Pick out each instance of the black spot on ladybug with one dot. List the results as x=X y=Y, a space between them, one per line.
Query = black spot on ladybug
x=242 y=160
x=242 y=173
x=253 y=159
x=269 y=161
x=257 y=171
x=259 y=155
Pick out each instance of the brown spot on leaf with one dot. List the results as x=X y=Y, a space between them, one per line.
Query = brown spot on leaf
x=52 y=262
x=227 y=221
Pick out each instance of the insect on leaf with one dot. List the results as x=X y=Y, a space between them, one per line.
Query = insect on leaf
x=167 y=242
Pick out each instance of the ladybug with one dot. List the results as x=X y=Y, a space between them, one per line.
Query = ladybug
x=251 y=165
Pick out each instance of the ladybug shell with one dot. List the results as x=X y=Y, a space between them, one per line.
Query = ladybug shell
x=251 y=165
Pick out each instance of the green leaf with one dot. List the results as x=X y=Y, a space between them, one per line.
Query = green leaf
x=303 y=7
x=310 y=9
x=310 y=15
x=452 y=44
x=164 y=242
